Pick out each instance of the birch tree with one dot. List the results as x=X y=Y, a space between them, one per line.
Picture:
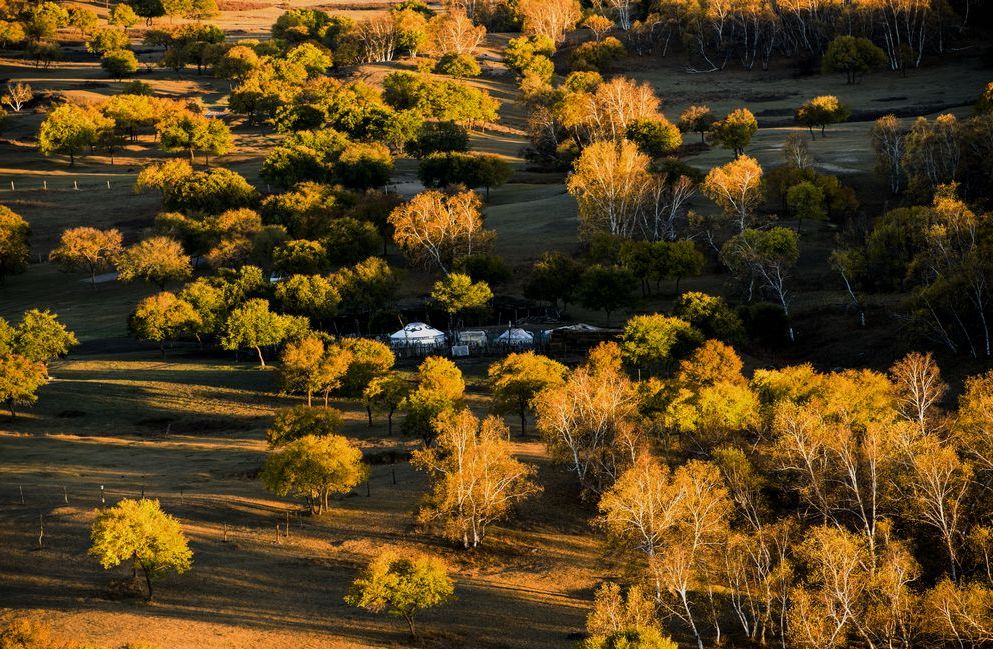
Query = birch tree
x=474 y=478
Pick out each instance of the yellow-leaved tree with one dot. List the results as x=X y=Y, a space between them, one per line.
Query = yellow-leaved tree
x=139 y=531
x=401 y=584
x=474 y=476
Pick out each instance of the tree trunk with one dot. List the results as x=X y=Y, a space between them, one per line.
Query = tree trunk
x=389 y=422
x=148 y=582
x=410 y=625
x=368 y=412
x=261 y=359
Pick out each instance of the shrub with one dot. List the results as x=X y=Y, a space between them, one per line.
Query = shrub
x=457 y=65
x=439 y=136
x=654 y=137
x=119 y=63
x=599 y=56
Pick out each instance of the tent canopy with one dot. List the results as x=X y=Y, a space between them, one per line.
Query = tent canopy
x=515 y=336
x=417 y=333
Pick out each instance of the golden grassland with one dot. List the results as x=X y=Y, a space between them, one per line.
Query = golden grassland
x=189 y=432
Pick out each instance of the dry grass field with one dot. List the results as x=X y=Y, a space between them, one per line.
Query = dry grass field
x=189 y=429
x=189 y=432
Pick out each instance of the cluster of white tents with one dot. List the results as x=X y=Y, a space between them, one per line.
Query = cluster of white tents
x=421 y=335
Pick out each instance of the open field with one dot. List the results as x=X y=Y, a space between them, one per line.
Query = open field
x=190 y=433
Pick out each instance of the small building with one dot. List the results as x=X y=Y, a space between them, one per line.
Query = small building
x=472 y=337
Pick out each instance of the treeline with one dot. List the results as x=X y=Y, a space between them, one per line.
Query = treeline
x=808 y=509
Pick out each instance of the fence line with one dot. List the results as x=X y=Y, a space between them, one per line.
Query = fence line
x=23 y=185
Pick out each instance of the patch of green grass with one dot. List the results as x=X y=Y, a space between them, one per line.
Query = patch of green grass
x=92 y=313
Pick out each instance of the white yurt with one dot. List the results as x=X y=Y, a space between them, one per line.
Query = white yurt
x=417 y=333
x=515 y=336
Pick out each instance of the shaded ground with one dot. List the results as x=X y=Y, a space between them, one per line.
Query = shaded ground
x=190 y=434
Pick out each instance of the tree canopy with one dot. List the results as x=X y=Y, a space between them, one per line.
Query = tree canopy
x=138 y=531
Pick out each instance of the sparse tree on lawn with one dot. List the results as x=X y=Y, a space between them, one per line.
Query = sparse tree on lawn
x=387 y=393
x=15 y=250
x=369 y=358
x=190 y=132
x=122 y=15
x=474 y=478
x=253 y=325
x=69 y=129
x=440 y=387
x=613 y=186
x=290 y=424
x=107 y=40
x=821 y=111
x=163 y=317
x=550 y=18
x=736 y=130
x=40 y=336
x=737 y=188
x=308 y=365
x=796 y=152
x=89 y=249
x=889 y=139
x=607 y=288
x=138 y=531
x=119 y=63
x=516 y=379
x=455 y=32
x=615 y=613
x=599 y=25
x=805 y=200
x=12 y=32
x=554 y=277
x=20 y=379
x=402 y=584
x=314 y=468
x=83 y=18
x=852 y=55
x=157 y=260
x=18 y=94
x=697 y=119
